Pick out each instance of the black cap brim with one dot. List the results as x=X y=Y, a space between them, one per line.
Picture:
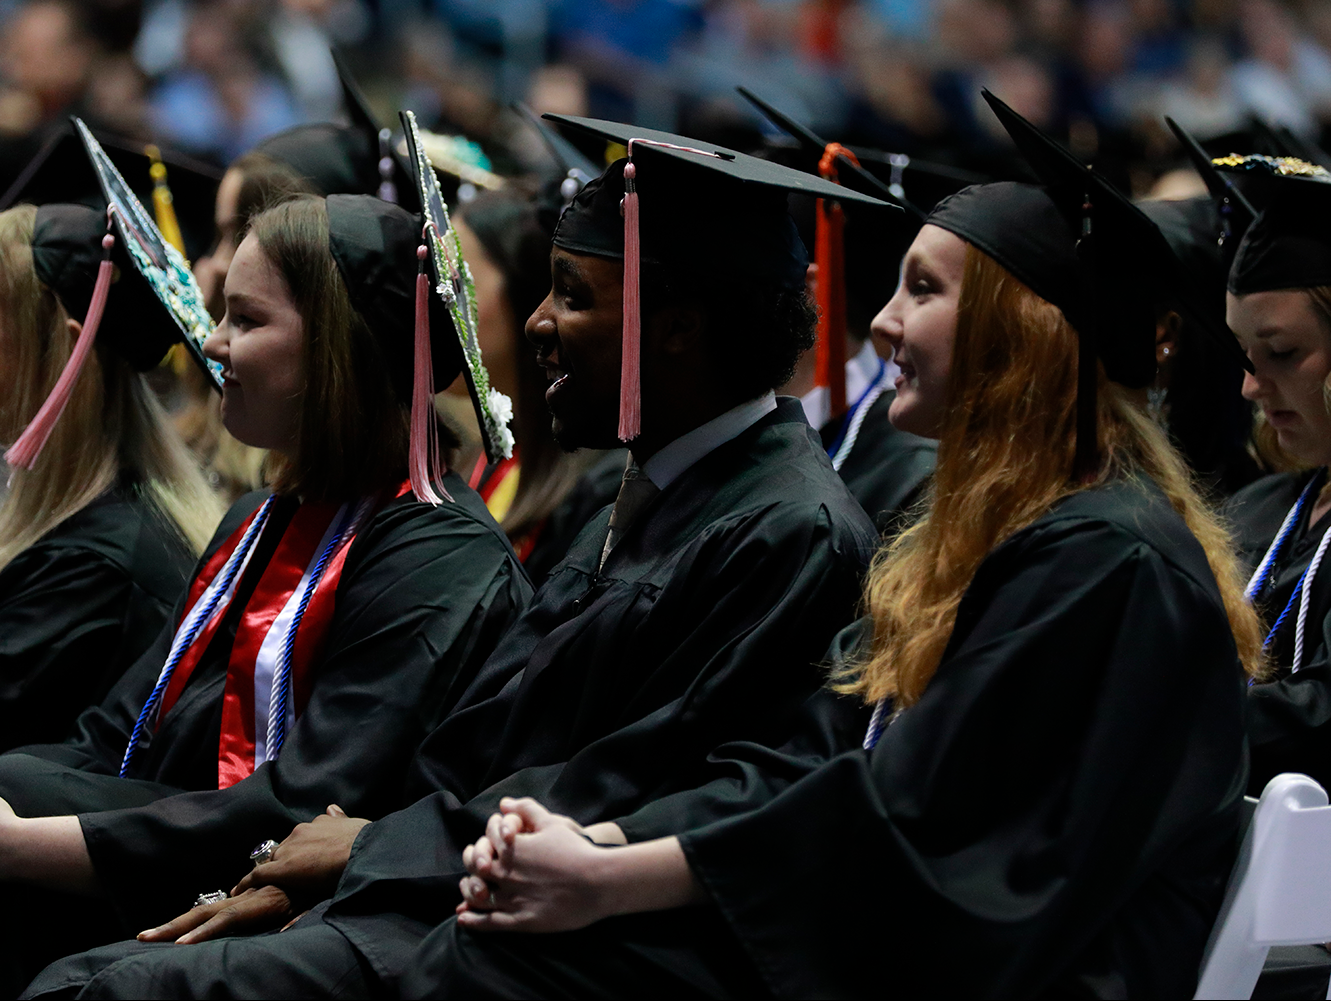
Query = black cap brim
x=728 y=163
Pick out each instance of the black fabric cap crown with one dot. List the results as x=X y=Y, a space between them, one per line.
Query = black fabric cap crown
x=66 y=253
x=374 y=244
x=334 y=159
x=1193 y=227
x=1289 y=244
x=685 y=226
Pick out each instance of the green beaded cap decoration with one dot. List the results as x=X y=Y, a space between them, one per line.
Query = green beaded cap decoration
x=161 y=264
x=453 y=284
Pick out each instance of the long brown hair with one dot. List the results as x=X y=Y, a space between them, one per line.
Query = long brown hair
x=112 y=427
x=1005 y=457
x=354 y=431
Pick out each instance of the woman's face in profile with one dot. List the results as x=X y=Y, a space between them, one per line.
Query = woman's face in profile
x=259 y=344
x=1289 y=343
x=919 y=324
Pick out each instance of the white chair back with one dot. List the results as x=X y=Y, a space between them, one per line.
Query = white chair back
x=1280 y=890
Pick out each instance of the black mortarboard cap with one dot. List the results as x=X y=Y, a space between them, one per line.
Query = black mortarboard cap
x=1235 y=211
x=856 y=177
x=374 y=244
x=344 y=159
x=1287 y=246
x=1193 y=228
x=61 y=172
x=1089 y=251
x=568 y=159
x=1134 y=265
x=704 y=207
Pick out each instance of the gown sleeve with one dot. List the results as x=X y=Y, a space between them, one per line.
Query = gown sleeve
x=1057 y=813
x=418 y=612
x=744 y=775
x=97 y=740
x=67 y=617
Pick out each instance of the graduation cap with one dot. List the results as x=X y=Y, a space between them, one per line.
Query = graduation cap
x=577 y=169
x=691 y=206
x=1287 y=246
x=1235 y=211
x=1195 y=230
x=1081 y=245
x=115 y=259
x=830 y=246
x=61 y=172
x=358 y=158
x=440 y=255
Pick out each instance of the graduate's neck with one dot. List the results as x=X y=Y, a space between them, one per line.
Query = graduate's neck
x=662 y=426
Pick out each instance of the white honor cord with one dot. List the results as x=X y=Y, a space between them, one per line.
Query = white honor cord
x=1305 y=598
x=1259 y=574
x=1274 y=549
x=853 y=432
x=875 y=729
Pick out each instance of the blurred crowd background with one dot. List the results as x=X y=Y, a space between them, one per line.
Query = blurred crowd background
x=211 y=77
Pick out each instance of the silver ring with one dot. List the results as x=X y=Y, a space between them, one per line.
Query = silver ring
x=203 y=899
x=263 y=852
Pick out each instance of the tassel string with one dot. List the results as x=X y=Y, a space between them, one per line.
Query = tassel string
x=423 y=464
x=630 y=369
x=24 y=452
x=830 y=285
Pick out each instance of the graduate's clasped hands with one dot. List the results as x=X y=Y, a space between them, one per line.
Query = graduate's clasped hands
x=534 y=871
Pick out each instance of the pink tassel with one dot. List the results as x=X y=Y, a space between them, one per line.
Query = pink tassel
x=24 y=452
x=630 y=368
x=423 y=465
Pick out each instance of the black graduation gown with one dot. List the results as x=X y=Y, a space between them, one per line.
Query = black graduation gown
x=596 y=488
x=1057 y=815
x=1289 y=716
x=887 y=470
x=78 y=607
x=612 y=690
x=424 y=596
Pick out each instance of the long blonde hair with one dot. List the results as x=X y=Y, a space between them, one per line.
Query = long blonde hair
x=113 y=424
x=1004 y=459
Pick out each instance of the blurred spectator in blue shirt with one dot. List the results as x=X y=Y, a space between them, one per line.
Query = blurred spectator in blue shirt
x=219 y=103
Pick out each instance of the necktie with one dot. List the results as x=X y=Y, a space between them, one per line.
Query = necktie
x=635 y=493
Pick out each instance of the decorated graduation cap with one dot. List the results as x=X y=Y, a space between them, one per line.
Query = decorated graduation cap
x=689 y=206
x=1287 y=246
x=830 y=245
x=345 y=159
x=62 y=172
x=1081 y=245
x=448 y=316
x=113 y=260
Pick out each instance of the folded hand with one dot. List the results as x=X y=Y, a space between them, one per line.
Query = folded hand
x=533 y=871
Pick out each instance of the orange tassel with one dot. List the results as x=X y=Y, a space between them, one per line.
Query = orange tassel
x=830 y=257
